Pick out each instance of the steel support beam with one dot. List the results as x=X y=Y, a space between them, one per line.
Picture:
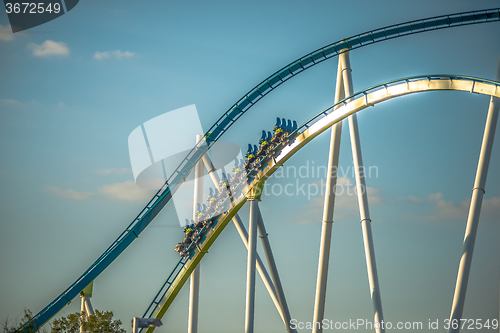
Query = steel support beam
x=363 y=199
x=83 y=313
x=252 y=247
x=86 y=310
x=260 y=267
x=194 y=285
x=326 y=229
x=88 y=307
x=244 y=237
x=274 y=273
x=474 y=211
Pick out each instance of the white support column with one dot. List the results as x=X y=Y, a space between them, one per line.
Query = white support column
x=260 y=267
x=362 y=198
x=83 y=313
x=274 y=273
x=252 y=247
x=194 y=290
x=326 y=229
x=86 y=310
x=474 y=211
x=88 y=307
x=194 y=286
x=244 y=237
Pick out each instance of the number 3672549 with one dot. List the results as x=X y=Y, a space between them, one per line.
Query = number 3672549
x=32 y=8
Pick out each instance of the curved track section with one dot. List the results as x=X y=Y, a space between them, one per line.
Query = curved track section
x=162 y=197
x=304 y=134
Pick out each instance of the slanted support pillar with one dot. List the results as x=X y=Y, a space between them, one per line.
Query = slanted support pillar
x=194 y=285
x=326 y=229
x=244 y=237
x=474 y=211
x=86 y=306
x=274 y=273
x=363 y=199
x=83 y=315
x=252 y=250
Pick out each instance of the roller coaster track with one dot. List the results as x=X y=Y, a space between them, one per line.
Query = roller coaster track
x=304 y=134
x=162 y=197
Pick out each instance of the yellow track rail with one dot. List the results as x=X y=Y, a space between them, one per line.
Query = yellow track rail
x=312 y=129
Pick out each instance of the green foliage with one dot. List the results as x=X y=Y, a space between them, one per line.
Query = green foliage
x=24 y=327
x=99 y=322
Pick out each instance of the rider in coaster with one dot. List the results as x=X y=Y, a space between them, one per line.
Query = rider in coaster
x=188 y=231
x=212 y=200
x=238 y=170
x=224 y=183
x=224 y=186
x=211 y=196
x=200 y=215
x=179 y=247
x=199 y=225
x=250 y=157
x=278 y=131
x=264 y=144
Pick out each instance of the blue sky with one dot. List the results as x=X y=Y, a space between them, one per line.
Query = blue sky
x=72 y=90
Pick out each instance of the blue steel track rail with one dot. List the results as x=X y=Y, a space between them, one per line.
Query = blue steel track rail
x=162 y=197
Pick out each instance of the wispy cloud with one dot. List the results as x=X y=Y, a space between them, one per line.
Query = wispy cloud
x=11 y=102
x=49 y=48
x=444 y=209
x=6 y=33
x=491 y=209
x=122 y=171
x=118 y=54
x=72 y=194
x=126 y=191
x=436 y=209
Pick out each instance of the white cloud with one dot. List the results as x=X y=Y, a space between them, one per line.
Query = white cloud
x=101 y=55
x=345 y=181
x=12 y=105
x=122 y=171
x=118 y=54
x=126 y=191
x=72 y=194
x=446 y=209
x=11 y=102
x=346 y=202
x=6 y=33
x=49 y=48
x=374 y=196
x=443 y=210
x=413 y=199
x=491 y=209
